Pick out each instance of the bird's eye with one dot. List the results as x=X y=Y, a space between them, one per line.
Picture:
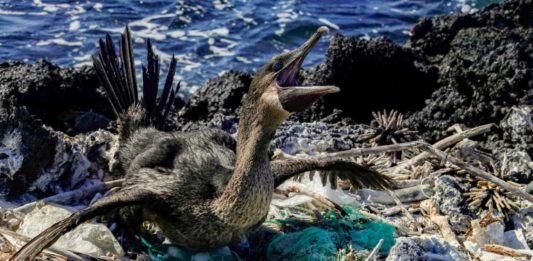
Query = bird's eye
x=277 y=66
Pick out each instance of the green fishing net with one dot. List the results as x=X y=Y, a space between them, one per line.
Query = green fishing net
x=325 y=239
x=302 y=239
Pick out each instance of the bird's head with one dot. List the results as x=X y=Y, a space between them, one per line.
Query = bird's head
x=276 y=89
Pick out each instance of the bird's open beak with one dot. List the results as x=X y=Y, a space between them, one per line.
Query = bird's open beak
x=294 y=97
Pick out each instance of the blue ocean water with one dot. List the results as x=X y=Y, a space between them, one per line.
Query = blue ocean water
x=207 y=37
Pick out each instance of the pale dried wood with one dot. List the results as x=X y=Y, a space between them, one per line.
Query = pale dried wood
x=444 y=143
x=477 y=172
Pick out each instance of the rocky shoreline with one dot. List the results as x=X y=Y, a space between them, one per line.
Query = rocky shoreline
x=456 y=72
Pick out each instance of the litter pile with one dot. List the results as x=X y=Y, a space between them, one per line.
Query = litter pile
x=459 y=149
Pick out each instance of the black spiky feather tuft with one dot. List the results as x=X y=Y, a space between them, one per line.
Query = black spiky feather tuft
x=117 y=76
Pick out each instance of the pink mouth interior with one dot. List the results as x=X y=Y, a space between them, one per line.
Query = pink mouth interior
x=289 y=76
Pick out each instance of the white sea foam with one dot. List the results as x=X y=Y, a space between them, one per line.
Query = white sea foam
x=176 y=33
x=83 y=58
x=74 y=25
x=329 y=23
x=151 y=29
x=466 y=6
x=8 y=12
x=98 y=7
x=59 y=41
x=51 y=8
x=240 y=15
x=221 y=4
x=222 y=31
x=219 y=51
x=243 y=59
x=83 y=63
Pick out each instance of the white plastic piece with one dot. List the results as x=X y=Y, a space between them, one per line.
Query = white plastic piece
x=90 y=239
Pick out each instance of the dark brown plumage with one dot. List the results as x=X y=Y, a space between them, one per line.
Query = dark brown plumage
x=204 y=189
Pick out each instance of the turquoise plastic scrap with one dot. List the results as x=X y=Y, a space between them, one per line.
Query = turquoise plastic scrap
x=310 y=244
x=369 y=237
x=323 y=240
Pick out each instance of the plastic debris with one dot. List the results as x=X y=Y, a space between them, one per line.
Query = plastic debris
x=91 y=239
x=322 y=239
x=176 y=253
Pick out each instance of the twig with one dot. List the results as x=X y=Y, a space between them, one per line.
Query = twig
x=278 y=154
x=319 y=198
x=507 y=251
x=375 y=150
x=477 y=172
x=395 y=210
x=374 y=252
x=404 y=210
x=445 y=229
x=444 y=143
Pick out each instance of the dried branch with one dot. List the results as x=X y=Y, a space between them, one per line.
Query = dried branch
x=477 y=172
x=444 y=143
x=375 y=150
x=404 y=211
x=507 y=251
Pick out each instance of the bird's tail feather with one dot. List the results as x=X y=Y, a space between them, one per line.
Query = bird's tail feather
x=117 y=76
x=50 y=235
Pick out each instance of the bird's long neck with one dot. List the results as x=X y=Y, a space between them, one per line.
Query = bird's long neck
x=249 y=192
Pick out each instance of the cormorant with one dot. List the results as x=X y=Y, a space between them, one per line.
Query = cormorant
x=203 y=189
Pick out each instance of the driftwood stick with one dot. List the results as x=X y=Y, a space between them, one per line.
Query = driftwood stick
x=507 y=251
x=444 y=143
x=278 y=154
x=395 y=210
x=375 y=150
x=477 y=172
x=375 y=251
x=445 y=229
x=404 y=211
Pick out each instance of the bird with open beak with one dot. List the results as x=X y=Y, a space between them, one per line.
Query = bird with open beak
x=203 y=189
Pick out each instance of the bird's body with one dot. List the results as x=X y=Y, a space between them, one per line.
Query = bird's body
x=187 y=171
x=204 y=189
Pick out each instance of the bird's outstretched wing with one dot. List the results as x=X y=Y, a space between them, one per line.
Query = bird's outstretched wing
x=330 y=169
x=126 y=197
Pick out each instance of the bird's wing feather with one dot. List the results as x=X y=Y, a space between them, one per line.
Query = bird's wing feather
x=126 y=197
x=330 y=169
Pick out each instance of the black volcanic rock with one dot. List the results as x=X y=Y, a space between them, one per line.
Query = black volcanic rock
x=57 y=96
x=485 y=66
x=373 y=75
x=27 y=150
x=220 y=95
